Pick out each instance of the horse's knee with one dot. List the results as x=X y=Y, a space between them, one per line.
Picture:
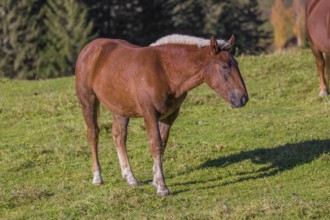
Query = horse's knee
x=156 y=150
x=118 y=135
x=119 y=127
x=93 y=132
x=116 y=132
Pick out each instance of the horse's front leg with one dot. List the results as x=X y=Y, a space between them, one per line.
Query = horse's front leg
x=164 y=129
x=119 y=134
x=151 y=118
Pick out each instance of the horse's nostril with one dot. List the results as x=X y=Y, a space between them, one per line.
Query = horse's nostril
x=244 y=99
x=238 y=99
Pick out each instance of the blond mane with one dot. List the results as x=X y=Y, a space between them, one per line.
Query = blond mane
x=190 y=40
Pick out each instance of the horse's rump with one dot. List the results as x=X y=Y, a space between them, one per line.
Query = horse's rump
x=318 y=24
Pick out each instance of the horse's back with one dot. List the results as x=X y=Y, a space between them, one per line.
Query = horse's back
x=318 y=23
x=94 y=55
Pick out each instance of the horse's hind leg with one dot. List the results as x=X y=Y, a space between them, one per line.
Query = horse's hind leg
x=327 y=71
x=119 y=134
x=91 y=106
x=320 y=63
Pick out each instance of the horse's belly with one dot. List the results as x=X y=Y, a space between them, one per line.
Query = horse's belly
x=117 y=99
x=120 y=108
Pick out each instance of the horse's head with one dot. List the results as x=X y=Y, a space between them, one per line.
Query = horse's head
x=222 y=74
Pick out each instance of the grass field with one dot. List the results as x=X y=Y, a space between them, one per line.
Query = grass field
x=268 y=160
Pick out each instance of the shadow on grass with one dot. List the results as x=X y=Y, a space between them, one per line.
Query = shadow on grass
x=274 y=161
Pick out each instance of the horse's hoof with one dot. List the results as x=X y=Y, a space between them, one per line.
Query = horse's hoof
x=163 y=193
x=133 y=182
x=154 y=184
x=97 y=179
x=323 y=93
x=97 y=183
x=161 y=190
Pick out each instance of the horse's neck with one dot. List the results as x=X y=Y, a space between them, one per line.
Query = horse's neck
x=184 y=67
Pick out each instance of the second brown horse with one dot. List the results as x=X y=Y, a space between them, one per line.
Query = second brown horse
x=150 y=82
x=318 y=30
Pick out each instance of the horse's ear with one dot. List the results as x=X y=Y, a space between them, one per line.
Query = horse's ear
x=231 y=41
x=214 y=46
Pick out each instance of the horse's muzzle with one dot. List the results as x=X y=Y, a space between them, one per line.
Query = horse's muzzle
x=240 y=101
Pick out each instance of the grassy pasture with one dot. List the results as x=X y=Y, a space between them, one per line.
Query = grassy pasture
x=268 y=160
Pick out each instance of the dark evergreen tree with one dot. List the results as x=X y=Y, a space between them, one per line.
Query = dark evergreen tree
x=67 y=31
x=101 y=12
x=244 y=21
x=42 y=38
x=155 y=19
x=114 y=18
x=190 y=17
x=139 y=21
x=19 y=33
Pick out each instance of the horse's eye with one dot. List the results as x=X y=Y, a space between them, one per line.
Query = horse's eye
x=225 y=71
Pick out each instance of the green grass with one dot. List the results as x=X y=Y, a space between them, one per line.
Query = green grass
x=268 y=160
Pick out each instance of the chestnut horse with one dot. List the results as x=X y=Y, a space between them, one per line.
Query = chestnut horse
x=318 y=30
x=150 y=82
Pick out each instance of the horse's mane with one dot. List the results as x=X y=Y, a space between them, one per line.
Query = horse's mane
x=190 y=40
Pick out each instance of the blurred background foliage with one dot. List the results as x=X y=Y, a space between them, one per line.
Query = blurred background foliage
x=42 y=38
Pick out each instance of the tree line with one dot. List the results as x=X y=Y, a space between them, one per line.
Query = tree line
x=288 y=23
x=42 y=38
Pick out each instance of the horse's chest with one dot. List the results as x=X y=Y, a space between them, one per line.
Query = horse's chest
x=169 y=105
